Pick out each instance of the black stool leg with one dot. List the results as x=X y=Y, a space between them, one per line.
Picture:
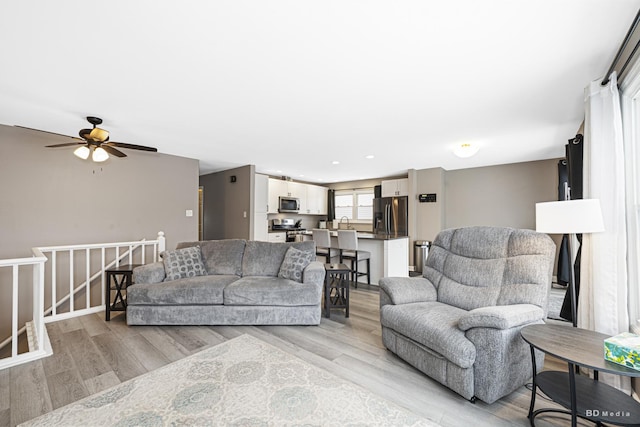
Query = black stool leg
x=368 y=271
x=356 y=275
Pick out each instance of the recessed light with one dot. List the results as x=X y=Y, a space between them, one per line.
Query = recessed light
x=278 y=171
x=301 y=176
x=370 y=156
x=335 y=162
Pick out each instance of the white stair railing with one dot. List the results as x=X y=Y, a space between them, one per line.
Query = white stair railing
x=62 y=262
x=39 y=343
x=65 y=265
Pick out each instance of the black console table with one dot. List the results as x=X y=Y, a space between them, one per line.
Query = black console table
x=118 y=279
x=336 y=288
x=582 y=396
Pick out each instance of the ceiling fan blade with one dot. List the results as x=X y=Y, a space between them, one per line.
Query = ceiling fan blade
x=112 y=151
x=132 y=146
x=66 y=144
x=45 y=131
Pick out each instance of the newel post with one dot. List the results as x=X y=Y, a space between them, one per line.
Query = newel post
x=162 y=245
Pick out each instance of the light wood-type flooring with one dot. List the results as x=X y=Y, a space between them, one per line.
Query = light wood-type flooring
x=91 y=354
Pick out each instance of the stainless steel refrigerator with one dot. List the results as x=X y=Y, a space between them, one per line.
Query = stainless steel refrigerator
x=390 y=216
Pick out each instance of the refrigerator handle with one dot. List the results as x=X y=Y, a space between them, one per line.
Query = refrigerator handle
x=388 y=218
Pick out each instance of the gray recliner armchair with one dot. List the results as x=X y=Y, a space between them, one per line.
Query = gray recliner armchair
x=460 y=322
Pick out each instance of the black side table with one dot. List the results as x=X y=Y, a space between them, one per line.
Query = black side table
x=336 y=288
x=582 y=396
x=118 y=279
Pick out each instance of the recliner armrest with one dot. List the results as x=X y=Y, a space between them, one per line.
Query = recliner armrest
x=404 y=290
x=149 y=273
x=501 y=317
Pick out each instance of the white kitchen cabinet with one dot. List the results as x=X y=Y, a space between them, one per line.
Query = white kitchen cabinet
x=277 y=188
x=395 y=187
x=316 y=200
x=277 y=237
x=299 y=191
x=296 y=189
x=313 y=198
x=260 y=226
x=261 y=193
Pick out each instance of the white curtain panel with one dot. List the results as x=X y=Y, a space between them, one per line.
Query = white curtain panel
x=603 y=286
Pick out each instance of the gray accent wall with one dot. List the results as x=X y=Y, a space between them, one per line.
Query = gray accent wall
x=49 y=197
x=502 y=195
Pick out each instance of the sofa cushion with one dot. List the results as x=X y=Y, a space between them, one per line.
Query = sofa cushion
x=199 y=290
x=294 y=263
x=265 y=258
x=181 y=263
x=220 y=256
x=433 y=325
x=260 y=290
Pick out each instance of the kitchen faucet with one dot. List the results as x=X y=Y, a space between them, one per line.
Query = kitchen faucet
x=347 y=218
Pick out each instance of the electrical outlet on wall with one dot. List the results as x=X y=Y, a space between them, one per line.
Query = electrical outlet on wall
x=189 y=212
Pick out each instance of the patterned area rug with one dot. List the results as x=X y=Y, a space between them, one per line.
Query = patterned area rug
x=241 y=382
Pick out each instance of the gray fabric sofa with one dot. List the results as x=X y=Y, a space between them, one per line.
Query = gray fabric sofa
x=460 y=322
x=241 y=287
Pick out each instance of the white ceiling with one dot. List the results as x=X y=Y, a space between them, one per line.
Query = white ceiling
x=291 y=86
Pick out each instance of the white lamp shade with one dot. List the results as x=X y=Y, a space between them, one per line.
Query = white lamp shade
x=99 y=155
x=82 y=152
x=569 y=217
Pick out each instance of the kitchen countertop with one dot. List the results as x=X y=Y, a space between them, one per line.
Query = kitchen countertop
x=364 y=235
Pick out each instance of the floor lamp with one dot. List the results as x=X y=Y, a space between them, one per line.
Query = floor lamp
x=570 y=217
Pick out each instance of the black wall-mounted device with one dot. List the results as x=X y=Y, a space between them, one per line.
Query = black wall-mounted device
x=428 y=198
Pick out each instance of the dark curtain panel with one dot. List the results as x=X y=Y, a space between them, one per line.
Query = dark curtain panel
x=564 y=260
x=331 y=205
x=574 y=149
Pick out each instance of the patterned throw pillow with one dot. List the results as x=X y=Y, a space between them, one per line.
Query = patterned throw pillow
x=181 y=263
x=295 y=261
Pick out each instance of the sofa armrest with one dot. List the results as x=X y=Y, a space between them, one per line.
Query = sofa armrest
x=404 y=290
x=314 y=274
x=501 y=317
x=149 y=273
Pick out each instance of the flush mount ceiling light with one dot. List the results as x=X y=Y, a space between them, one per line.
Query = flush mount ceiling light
x=335 y=162
x=466 y=149
x=370 y=156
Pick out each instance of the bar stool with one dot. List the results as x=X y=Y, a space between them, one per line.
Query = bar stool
x=348 y=246
x=323 y=244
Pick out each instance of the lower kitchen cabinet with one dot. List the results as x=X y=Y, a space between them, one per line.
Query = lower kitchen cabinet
x=278 y=237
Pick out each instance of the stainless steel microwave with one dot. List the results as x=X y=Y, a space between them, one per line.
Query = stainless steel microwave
x=288 y=204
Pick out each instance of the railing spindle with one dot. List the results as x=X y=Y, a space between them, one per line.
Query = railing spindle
x=14 y=314
x=87 y=280
x=54 y=284
x=71 y=293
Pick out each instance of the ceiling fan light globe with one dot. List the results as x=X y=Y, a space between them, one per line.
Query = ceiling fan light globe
x=98 y=134
x=99 y=155
x=82 y=152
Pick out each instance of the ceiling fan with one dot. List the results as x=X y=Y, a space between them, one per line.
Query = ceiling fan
x=95 y=141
